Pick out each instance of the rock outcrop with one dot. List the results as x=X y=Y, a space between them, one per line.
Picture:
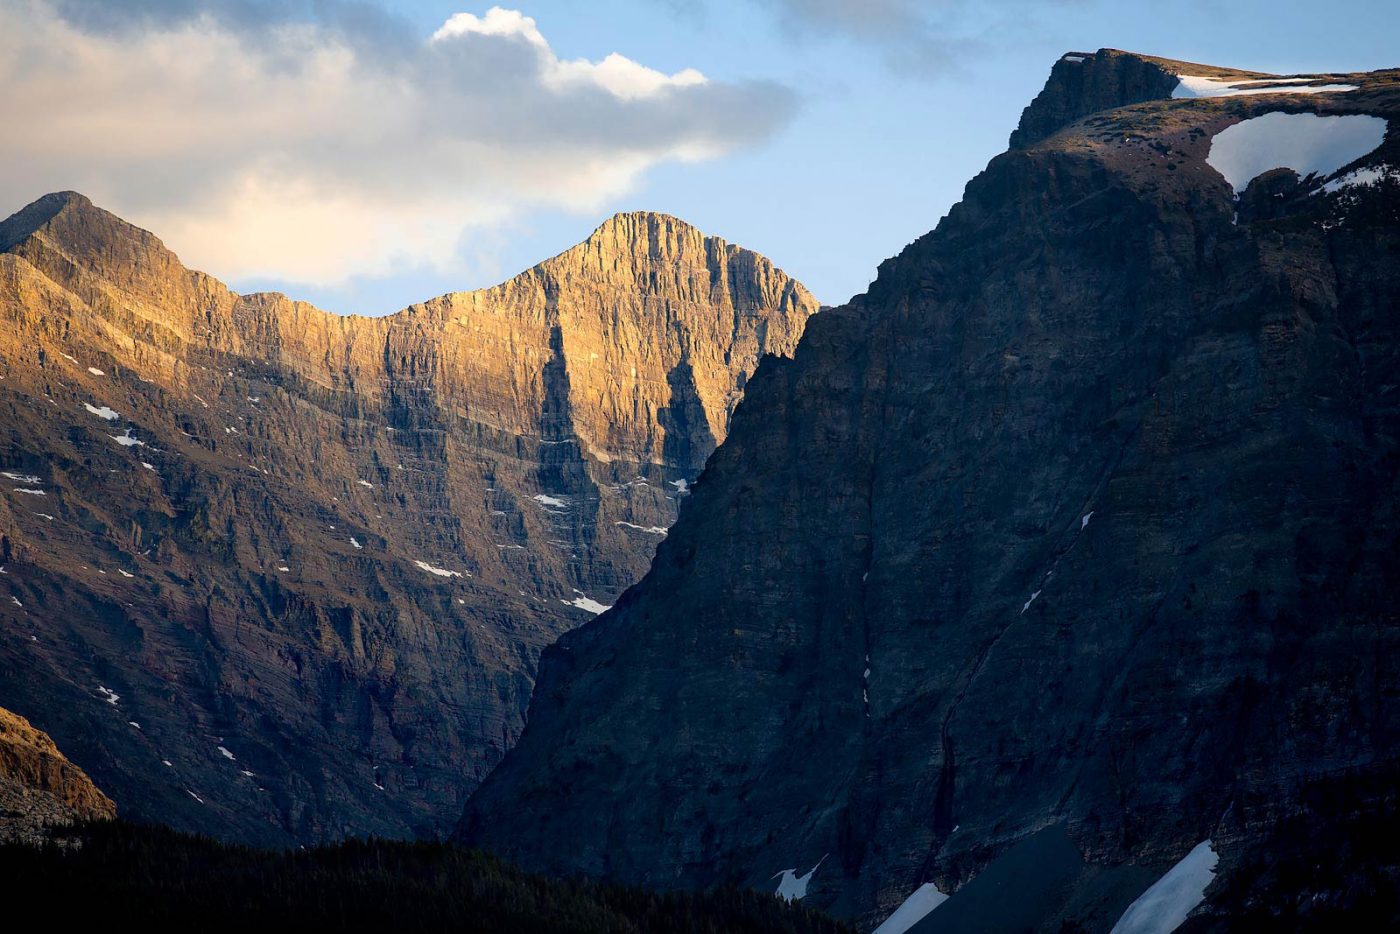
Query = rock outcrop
x=279 y=575
x=39 y=788
x=1066 y=548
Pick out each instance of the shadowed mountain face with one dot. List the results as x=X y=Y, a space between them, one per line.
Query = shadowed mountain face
x=280 y=575
x=1076 y=531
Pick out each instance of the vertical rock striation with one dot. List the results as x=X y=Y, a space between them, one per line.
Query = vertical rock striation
x=1074 y=534
x=281 y=575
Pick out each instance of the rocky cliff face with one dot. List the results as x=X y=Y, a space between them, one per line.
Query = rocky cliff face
x=1065 y=549
x=1084 y=83
x=280 y=575
x=39 y=788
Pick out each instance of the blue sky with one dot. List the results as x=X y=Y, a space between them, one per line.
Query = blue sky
x=834 y=132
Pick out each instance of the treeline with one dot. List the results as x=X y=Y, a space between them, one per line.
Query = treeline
x=117 y=873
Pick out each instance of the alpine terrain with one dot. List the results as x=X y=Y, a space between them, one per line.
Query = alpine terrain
x=1052 y=584
x=281 y=576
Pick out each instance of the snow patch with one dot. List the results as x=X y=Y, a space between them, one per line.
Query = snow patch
x=126 y=440
x=1074 y=58
x=1028 y=603
x=793 y=887
x=913 y=910
x=554 y=501
x=365 y=483
x=584 y=603
x=102 y=411
x=125 y=573
x=440 y=572
x=682 y=485
x=1084 y=520
x=109 y=695
x=1197 y=86
x=1167 y=902
x=1363 y=177
x=1306 y=143
x=653 y=529
x=355 y=543
x=223 y=751
x=95 y=371
x=15 y=601
x=21 y=477
x=20 y=489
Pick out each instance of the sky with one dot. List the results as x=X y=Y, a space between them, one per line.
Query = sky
x=368 y=154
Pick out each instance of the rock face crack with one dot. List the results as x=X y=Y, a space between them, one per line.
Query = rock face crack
x=1093 y=382
x=357 y=533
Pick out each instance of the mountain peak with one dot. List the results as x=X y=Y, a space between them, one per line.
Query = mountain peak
x=641 y=229
x=627 y=219
x=57 y=200
x=640 y=245
x=32 y=217
x=1172 y=66
x=66 y=237
x=1082 y=83
x=73 y=222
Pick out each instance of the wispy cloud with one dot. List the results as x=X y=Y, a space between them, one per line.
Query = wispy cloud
x=313 y=141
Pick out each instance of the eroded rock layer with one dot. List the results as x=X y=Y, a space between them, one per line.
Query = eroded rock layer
x=281 y=575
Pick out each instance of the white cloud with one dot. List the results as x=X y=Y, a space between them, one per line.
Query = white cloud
x=308 y=151
x=616 y=74
x=496 y=22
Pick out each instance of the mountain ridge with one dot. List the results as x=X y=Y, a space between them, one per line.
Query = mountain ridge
x=32 y=219
x=1086 y=83
x=337 y=542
